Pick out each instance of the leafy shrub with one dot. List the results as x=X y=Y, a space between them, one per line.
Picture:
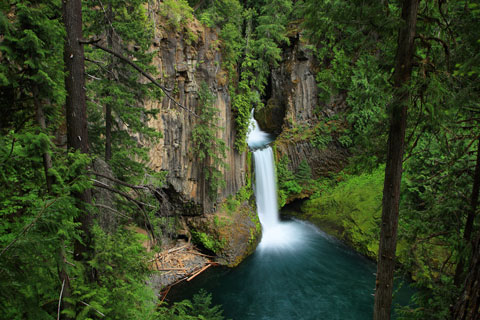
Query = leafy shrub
x=177 y=12
x=287 y=184
x=208 y=241
x=199 y=308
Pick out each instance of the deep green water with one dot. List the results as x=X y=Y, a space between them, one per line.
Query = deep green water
x=309 y=276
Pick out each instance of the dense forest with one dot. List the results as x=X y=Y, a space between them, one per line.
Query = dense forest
x=397 y=95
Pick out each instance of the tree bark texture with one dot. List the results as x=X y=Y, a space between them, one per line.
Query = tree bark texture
x=468 y=305
x=76 y=111
x=108 y=107
x=77 y=137
x=393 y=169
x=467 y=233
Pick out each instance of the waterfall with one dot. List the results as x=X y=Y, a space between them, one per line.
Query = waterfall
x=265 y=187
x=275 y=234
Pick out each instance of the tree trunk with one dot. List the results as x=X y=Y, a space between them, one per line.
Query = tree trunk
x=108 y=132
x=467 y=233
x=393 y=169
x=40 y=117
x=47 y=164
x=108 y=107
x=77 y=136
x=468 y=305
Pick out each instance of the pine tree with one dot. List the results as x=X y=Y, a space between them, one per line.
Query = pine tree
x=115 y=90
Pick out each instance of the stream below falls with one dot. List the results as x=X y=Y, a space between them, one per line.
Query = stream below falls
x=297 y=272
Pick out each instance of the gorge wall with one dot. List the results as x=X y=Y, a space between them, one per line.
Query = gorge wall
x=295 y=113
x=183 y=65
x=185 y=59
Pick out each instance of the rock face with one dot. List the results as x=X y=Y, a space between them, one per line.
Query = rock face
x=294 y=86
x=184 y=64
x=231 y=234
x=184 y=67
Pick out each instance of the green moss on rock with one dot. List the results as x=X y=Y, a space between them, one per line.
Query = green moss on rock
x=232 y=233
x=350 y=211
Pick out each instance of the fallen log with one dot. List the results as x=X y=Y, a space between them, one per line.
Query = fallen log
x=172 y=269
x=176 y=249
x=200 y=254
x=200 y=271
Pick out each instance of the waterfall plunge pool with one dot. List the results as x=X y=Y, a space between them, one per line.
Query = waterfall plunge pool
x=311 y=277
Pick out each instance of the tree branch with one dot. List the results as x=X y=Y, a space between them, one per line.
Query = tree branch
x=113 y=210
x=99 y=64
x=11 y=150
x=25 y=230
x=60 y=300
x=100 y=313
x=138 y=68
x=119 y=181
x=140 y=204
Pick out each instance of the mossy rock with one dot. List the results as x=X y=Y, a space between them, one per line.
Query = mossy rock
x=270 y=117
x=230 y=235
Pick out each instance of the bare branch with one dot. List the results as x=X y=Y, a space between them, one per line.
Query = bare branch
x=119 y=181
x=107 y=18
x=60 y=300
x=140 y=204
x=93 y=77
x=100 y=313
x=113 y=210
x=99 y=64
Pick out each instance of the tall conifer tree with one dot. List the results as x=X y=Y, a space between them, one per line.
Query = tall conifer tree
x=393 y=169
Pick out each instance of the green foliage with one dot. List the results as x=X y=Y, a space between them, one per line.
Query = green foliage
x=351 y=210
x=177 y=12
x=31 y=51
x=287 y=183
x=252 y=36
x=233 y=202
x=115 y=85
x=322 y=136
x=119 y=292
x=356 y=46
x=37 y=224
x=207 y=147
x=198 y=309
x=34 y=224
x=357 y=60
x=304 y=172
x=270 y=34
x=208 y=242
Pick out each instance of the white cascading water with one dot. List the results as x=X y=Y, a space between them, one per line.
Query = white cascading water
x=275 y=234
